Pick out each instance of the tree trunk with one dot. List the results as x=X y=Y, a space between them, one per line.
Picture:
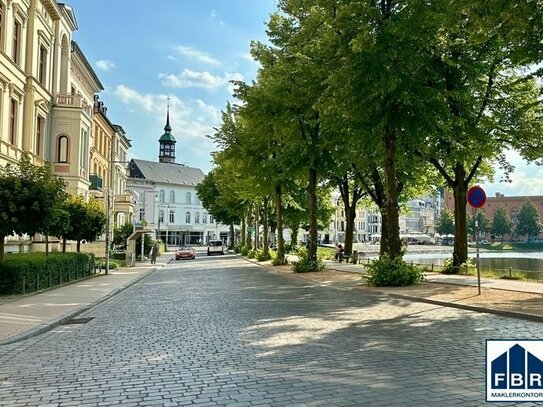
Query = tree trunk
x=2 y=247
x=312 y=204
x=63 y=245
x=232 y=236
x=79 y=246
x=391 y=201
x=257 y=226
x=243 y=231
x=279 y=213
x=383 y=246
x=265 y=221
x=350 y=215
x=460 y=190
x=47 y=245
x=294 y=235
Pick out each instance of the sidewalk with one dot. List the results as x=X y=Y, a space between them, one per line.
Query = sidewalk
x=34 y=314
x=498 y=284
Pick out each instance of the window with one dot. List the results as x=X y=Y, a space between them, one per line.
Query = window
x=189 y=198
x=204 y=217
x=72 y=90
x=40 y=126
x=210 y=219
x=162 y=195
x=197 y=217
x=161 y=216
x=142 y=214
x=15 y=52
x=42 y=65
x=62 y=149
x=187 y=217
x=172 y=216
x=13 y=121
x=172 y=196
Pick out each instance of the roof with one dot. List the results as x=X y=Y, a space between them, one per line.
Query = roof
x=167 y=137
x=166 y=173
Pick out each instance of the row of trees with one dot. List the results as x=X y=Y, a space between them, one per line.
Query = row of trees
x=32 y=200
x=527 y=222
x=380 y=99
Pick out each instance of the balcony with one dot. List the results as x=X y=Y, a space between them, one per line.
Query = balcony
x=76 y=101
x=96 y=182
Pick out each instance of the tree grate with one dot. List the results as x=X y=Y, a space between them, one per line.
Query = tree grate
x=77 y=321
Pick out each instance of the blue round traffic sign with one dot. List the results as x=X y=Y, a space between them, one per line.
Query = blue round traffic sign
x=476 y=196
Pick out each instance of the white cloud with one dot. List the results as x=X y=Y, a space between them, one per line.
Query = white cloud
x=526 y=179
x=196 y=55
x=190 y=120
x=105 y=65
x=215 y=16
x=194 y=79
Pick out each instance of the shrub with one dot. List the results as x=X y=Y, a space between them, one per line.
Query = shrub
x=41 y=271
x=261 y=256
x=305 y=264
x=244 y=250
x=387 y=272
x=275 y=260
x=467 y=268
x=251 y=254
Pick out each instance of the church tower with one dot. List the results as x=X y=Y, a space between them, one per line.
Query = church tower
x=167 y=142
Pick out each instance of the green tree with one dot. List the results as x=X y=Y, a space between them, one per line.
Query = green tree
x=87 y=220
x=501 y=223
x=445 y=223
x=30 y=198
x=528 y=220
x=121 y=234
x=222 y=203
x=483 y=223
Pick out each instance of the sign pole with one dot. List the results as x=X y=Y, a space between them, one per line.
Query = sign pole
x=476 y=197
x=477 y=251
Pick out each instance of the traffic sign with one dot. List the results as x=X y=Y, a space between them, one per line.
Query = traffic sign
x=476 y=196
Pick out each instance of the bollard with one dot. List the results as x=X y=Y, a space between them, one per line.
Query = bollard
x=355 y=256
x=49 y=279
x=24 y=284
x=510 y=272
x=37 y=281
x=432 y=269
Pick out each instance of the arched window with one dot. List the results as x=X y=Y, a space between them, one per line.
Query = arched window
x=187 y=217
x=62 y=149
x=172 y=196
x=197 y=217
x=162 y=195
x=172 y=216
x=189 y=198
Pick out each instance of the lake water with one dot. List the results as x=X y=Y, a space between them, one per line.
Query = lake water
x=518 y=261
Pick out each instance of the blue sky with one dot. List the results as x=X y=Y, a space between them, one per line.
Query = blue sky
x=188 y=50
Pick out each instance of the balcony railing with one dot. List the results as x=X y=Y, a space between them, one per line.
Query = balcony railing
x=74 y=101
x=96 y=182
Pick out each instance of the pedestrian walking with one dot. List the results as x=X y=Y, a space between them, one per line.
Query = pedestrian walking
x=336 y=257
x=154 y=253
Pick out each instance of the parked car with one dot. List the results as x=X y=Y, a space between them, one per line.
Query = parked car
x=185 y=252
x=215 y=246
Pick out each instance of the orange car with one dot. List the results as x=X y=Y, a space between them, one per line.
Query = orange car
x=185 y=252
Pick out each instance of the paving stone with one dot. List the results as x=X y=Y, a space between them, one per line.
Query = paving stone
x=221 y=331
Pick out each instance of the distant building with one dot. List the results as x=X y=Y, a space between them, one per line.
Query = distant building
x=511 y=204
x=166 y=199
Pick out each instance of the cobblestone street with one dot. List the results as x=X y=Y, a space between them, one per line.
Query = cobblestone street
x=222 y=331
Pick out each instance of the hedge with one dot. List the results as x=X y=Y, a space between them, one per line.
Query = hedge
x=22 y=273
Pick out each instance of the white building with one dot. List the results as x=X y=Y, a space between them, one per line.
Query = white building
x=167 y=202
